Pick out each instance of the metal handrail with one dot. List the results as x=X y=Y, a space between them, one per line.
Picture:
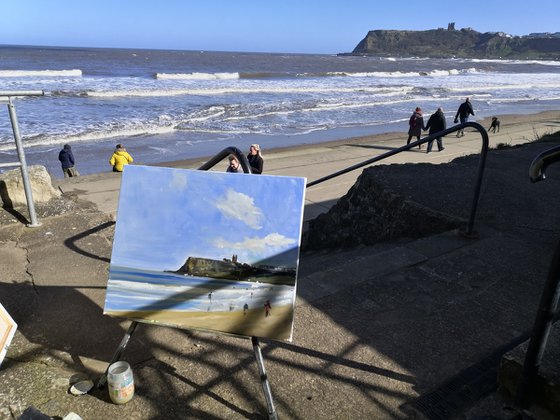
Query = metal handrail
x=484 y=151
x=469 y=232
x=226 y=152
x=541 y=162
x=548 y=304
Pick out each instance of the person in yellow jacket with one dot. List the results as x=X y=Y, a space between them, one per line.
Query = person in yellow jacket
x=120 y=158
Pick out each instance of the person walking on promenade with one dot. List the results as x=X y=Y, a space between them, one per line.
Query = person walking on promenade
x=120 y=158
x=66 y=158
x=436 y=123
x=465 y=109
x=255 y=159
x=416 y=125
x=234 y=165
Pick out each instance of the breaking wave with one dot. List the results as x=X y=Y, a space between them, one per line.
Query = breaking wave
x=41 y=73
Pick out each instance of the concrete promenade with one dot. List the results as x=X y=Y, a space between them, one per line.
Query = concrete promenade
x=411 y=329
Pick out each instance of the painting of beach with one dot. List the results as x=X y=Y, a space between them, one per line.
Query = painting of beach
x=207 y=250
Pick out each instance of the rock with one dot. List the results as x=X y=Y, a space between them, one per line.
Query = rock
x=373 y=212
x=12 y=191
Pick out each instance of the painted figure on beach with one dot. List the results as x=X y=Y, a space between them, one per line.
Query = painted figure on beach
x=416 y=125
x=120 y=158
x=66 y=158
x=192 y=248
x=267 y=308
x=255 y=159
x=436 y=123
x=465 y=109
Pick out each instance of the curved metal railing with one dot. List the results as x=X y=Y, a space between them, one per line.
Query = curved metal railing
x=541 y=162
x=469 y=232
x=223 y=154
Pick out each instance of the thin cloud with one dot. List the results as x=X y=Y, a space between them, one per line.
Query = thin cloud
x=241 y=207
x=272 y=241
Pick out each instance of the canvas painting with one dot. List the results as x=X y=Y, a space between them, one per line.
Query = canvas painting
x=7 y=330
x=207 y=250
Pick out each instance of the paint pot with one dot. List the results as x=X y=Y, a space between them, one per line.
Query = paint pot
x=121 y=382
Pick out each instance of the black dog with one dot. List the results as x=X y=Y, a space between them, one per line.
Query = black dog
x=495 y=125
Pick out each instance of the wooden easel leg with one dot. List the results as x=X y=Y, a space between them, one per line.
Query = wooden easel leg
x=272 y=415
x=118 y=353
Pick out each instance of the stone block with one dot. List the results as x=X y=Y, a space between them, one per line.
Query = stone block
x=12 y=192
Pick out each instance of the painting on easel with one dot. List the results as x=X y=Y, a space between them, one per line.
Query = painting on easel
x=207 y=250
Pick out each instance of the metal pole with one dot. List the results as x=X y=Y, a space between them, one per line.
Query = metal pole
x=481 y=164
x=272 y=415
x=541 y=330
x=24 y=173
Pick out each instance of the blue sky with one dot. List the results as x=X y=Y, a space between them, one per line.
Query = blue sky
x=166 y=215
x=302 y=26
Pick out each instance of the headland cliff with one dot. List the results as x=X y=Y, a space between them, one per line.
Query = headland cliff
x=463 y=43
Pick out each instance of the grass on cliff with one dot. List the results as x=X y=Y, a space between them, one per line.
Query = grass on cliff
x=553 y=138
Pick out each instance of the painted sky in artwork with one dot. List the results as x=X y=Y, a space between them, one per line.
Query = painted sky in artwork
x=166 y=215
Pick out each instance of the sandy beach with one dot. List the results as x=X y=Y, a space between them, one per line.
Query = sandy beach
x=252 y=323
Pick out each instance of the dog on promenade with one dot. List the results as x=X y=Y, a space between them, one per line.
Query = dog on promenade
x=495 y=125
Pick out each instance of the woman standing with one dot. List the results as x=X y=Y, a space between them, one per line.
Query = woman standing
x=255 y=159
x=416 y=125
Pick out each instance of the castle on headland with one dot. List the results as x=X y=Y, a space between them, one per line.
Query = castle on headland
x=464 y=43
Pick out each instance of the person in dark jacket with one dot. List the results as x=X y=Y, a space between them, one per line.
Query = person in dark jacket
x=66 y=158
x=416 y=125
x=255 y=159
x=465 y=109
x=436 y=123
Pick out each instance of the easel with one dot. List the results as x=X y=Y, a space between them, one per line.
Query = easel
x=272 y=415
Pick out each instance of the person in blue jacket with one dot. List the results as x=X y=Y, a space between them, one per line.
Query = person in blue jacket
x=66 y=158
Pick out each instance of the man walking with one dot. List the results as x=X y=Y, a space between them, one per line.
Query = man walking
x=465 y=109
x=436 y=123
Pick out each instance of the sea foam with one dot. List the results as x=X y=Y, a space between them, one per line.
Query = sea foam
x=41 y=73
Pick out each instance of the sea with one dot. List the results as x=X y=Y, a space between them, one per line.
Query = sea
x=165 y=105
x=131 y=289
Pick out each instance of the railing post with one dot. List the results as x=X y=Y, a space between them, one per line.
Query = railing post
x=23 y=165
x=478 y=185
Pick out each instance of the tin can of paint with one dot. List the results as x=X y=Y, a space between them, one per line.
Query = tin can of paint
x=121 y=382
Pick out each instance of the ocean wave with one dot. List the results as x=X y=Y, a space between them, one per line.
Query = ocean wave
x=225 y=90
x=41 y=73
x=196 y=76
x=105 y=134
x=524 y=86
x=397 y=74
x=525 y=62
x=286 y=75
